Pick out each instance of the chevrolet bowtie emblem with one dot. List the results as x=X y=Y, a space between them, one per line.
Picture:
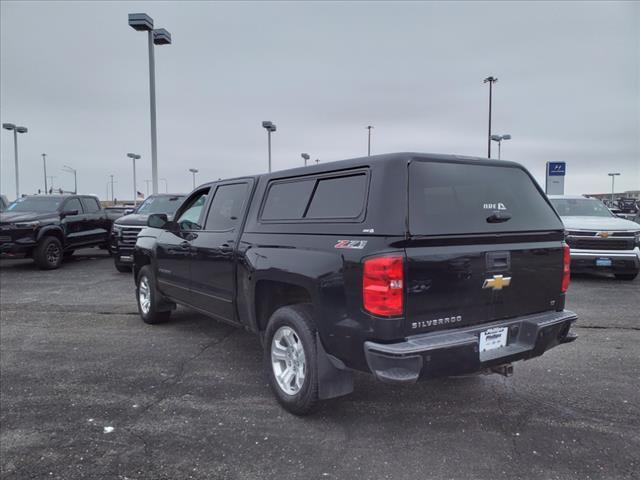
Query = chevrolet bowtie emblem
x=498 y=282
x=603 y=234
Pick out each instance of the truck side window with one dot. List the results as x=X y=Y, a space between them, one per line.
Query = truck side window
x=226 y=207
x=73 y=204
x=341 y=197
x=90 y=205
x=287 y=200
x=190 y=217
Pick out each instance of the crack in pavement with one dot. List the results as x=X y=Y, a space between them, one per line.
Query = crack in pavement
x=603 y=327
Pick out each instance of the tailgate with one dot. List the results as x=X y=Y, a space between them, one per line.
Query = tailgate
x=455 y=286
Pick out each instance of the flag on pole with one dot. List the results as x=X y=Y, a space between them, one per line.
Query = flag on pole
x=140 y=194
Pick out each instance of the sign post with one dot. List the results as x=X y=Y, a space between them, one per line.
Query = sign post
x=554 y=184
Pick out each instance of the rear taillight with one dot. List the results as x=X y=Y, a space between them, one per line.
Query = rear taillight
x=566 y=267
x=382 y=285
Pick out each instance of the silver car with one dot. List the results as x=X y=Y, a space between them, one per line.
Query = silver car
x=598 y=239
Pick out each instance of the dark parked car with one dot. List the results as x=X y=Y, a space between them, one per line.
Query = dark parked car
x=118 y=211
x=50 y=227
x=126 y=228
x=407 y=266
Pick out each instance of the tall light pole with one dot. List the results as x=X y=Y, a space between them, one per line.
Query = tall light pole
x=270 y=127
x=44 y=165
x=143 y=22
x=16 y=131
x=369 y=127
x=166 y=185
x=499 y=139
x=67 y=168
x=194 y=171
x=490 y=81
x=613 y=179
x=305 y=157
x=113 y=196
x=134 y=157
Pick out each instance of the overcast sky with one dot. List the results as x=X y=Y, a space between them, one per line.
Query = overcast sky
x=76 y=75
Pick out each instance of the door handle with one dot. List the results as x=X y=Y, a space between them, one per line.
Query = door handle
x=185 y=245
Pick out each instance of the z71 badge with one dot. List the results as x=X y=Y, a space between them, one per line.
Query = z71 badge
x=356 y=244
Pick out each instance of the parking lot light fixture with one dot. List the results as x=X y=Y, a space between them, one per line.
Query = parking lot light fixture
x=144 y=23
x=16 y=130
x=499 y=139
x=305 y=157
x=269 y=127
x=613 y=179
x=193 y=172
x=134 y=157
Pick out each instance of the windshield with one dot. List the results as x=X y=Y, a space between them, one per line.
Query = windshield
x=580 y=207
x=163 y=204
x=452 y=198
x=35 y=204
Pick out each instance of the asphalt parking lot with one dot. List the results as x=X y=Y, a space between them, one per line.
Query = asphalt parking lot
x=89 y=391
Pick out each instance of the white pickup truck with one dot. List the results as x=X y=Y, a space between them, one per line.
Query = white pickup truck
x=598 y=239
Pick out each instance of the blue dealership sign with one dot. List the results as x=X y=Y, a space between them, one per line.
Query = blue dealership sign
x=556 y=169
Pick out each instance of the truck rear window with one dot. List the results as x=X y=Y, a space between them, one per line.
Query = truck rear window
x=452 y=198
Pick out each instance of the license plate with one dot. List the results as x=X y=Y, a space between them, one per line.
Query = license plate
x=126 y=258
x=493 y=338
x=603 y=262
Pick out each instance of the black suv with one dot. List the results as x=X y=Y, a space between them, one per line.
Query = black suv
x=407 y=266
x=126 y=228
x=50 y=227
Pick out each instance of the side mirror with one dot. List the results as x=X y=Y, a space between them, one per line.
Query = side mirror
x=68 y=213
x=157 y=220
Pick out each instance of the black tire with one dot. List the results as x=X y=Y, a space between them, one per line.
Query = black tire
x=299 y=319
x=626 y=276
x=68 y=253
x=123 y=268
x=48 y=254
x=150 y=313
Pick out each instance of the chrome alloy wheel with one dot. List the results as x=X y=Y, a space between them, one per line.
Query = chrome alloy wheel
x=288 y=360
x=144 y=295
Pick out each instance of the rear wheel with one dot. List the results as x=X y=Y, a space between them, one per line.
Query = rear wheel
x=148 y=298
x=290 y=358
x=626 y=276
x=48 y=254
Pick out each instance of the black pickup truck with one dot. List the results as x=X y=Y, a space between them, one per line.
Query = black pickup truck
x=50 y=227
x=407 y=266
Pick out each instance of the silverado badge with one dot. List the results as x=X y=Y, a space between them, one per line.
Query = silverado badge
x=498 y=282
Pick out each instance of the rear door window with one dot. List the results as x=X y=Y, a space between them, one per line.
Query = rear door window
x=450 y=198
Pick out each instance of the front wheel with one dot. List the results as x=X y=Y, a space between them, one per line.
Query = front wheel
x=48 y=254
x=626 y=276
x=147 y=298
x=290 y=358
